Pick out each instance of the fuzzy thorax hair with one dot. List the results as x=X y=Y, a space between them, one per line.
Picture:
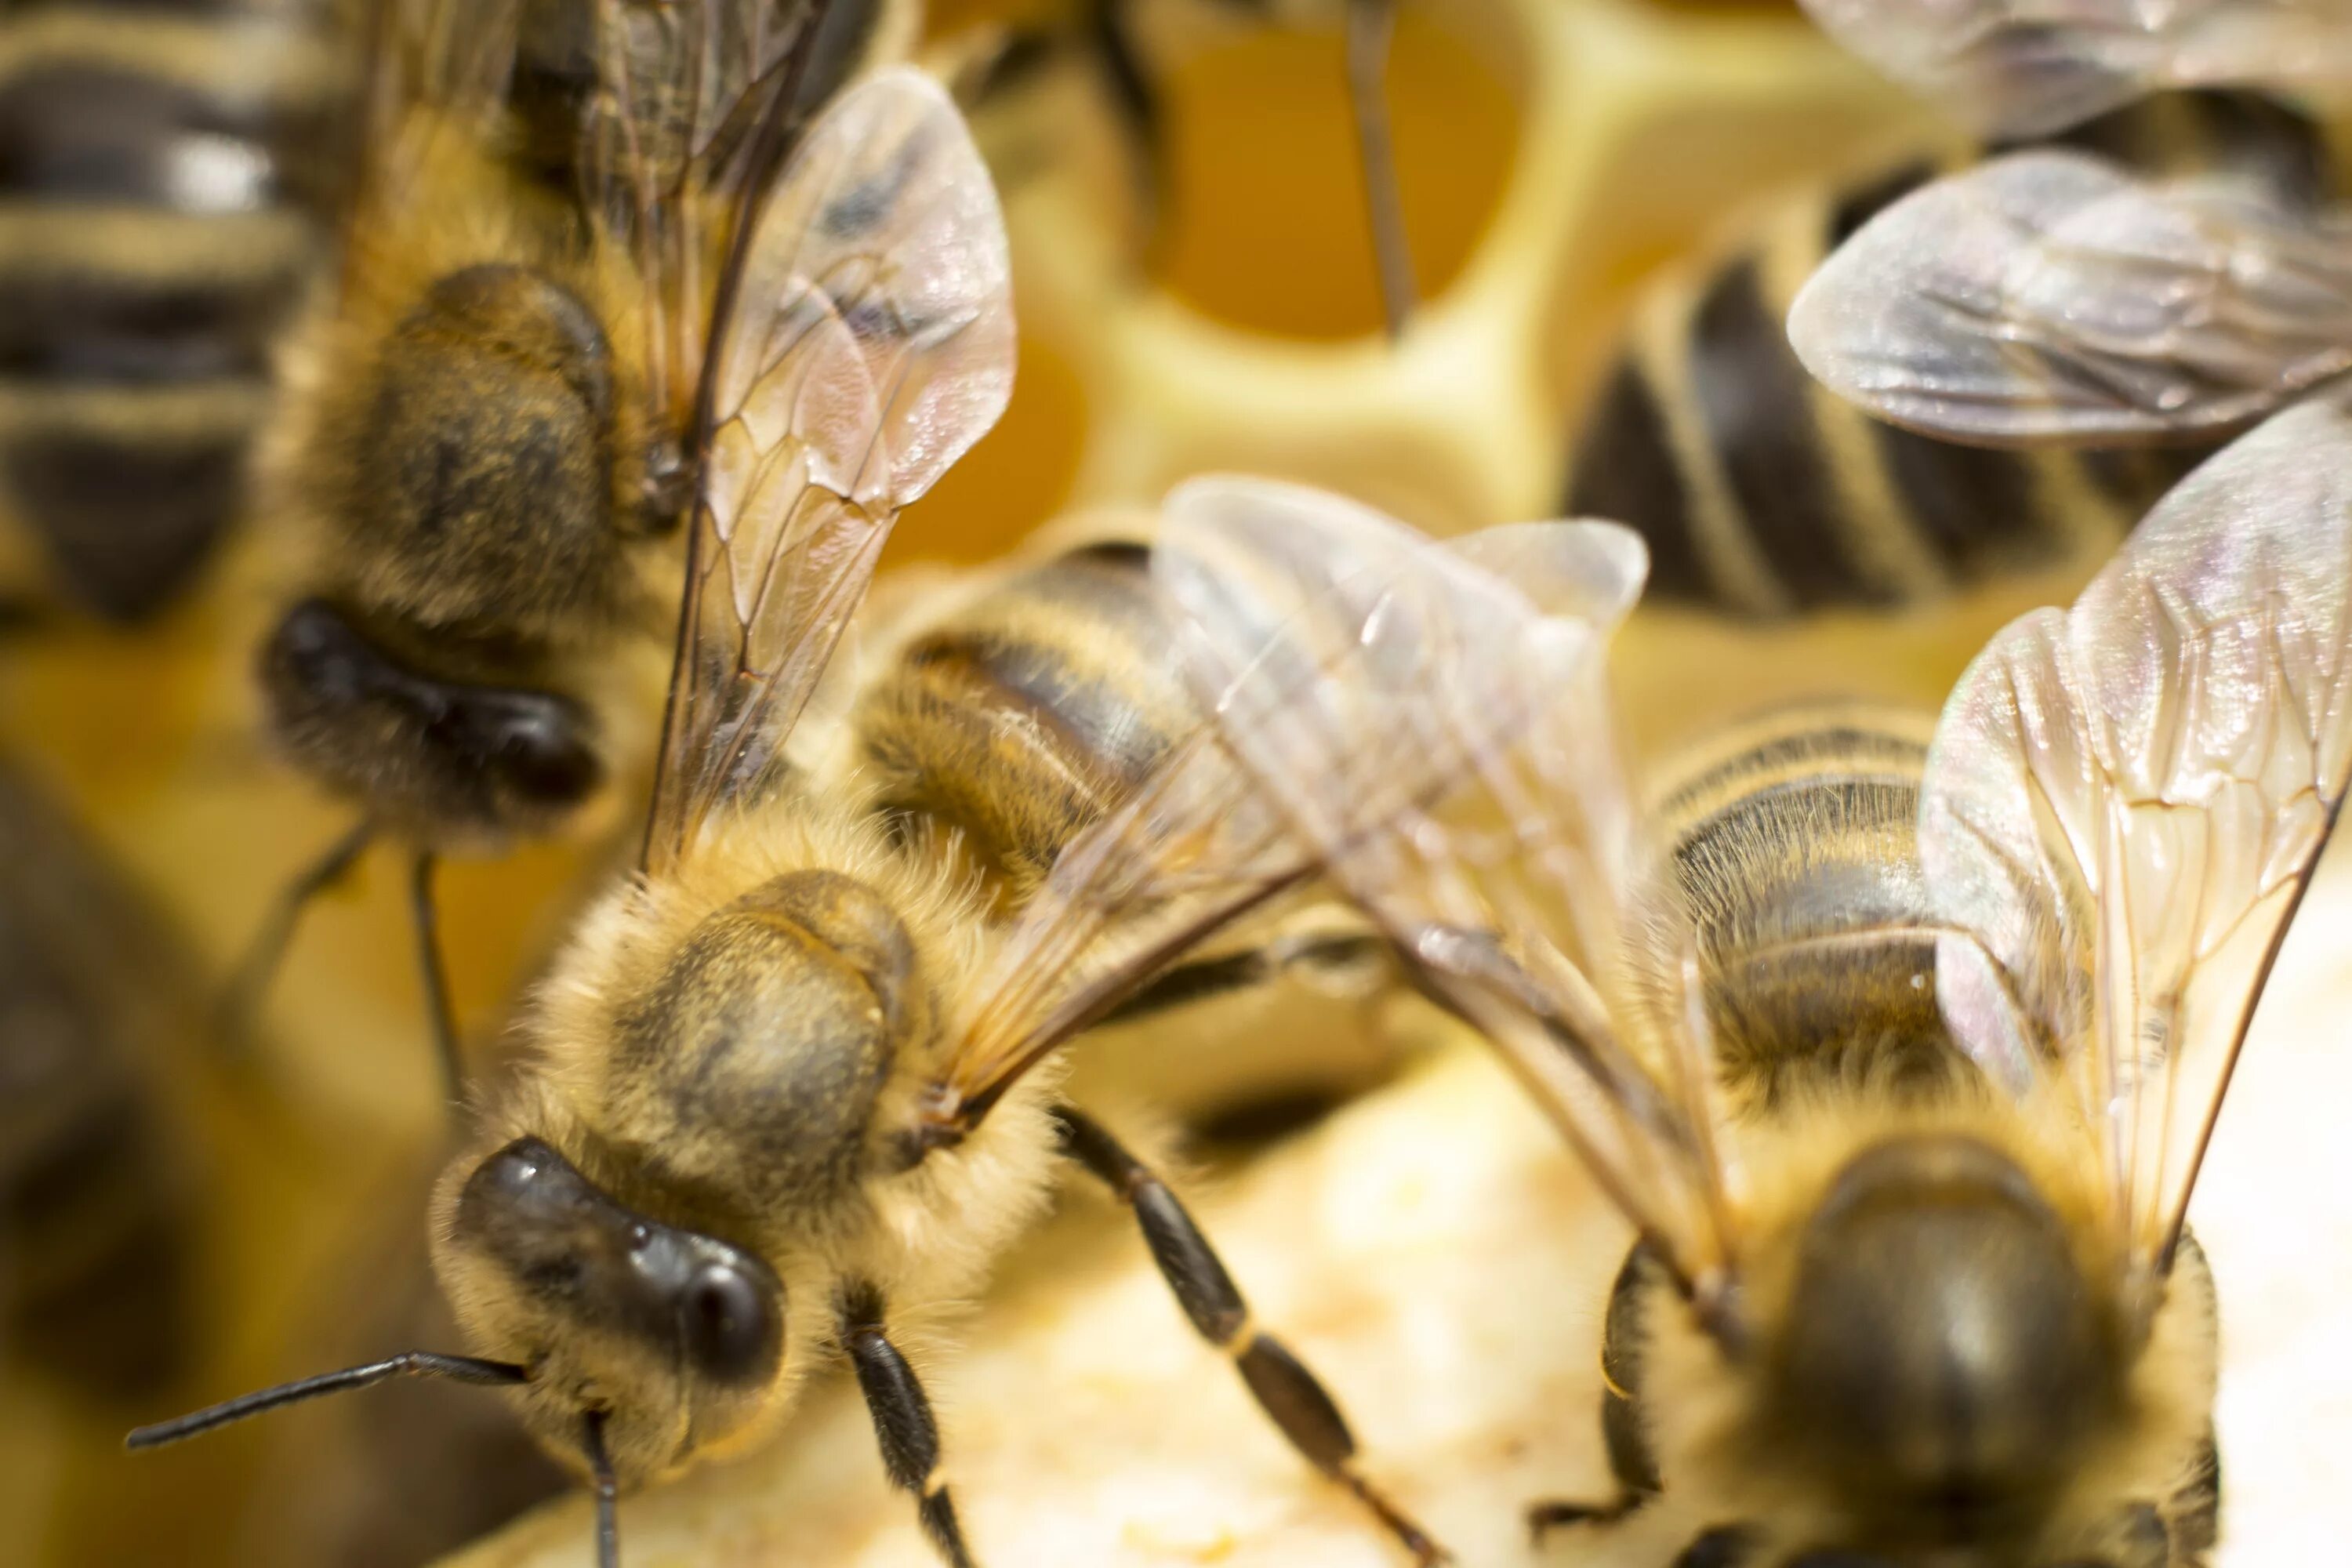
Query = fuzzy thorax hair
x=1704 y=1407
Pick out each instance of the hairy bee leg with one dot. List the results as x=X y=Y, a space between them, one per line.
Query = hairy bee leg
x=241 y=1000
x=1370 y=28
x=440 y=1017
x=1630 y=1460
x=903 y=1423
x=2136 y=1536
x=608 y=1491
x=1136 y=101
x=1722 y=1546
x=1207 y=979
x=1283 y=1387
x=1545 y=1517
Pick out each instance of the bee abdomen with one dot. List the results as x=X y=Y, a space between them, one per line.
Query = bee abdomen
x=1029 y=713
x=164 y=180
x=1793 y=844
x=92 y=1242
x=96 y=1198
x=1760 y=493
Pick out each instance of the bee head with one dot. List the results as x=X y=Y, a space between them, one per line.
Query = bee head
x=674 y=1336
x=1944 y=1357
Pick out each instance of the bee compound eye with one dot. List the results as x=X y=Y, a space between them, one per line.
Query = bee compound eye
x=729 y=1324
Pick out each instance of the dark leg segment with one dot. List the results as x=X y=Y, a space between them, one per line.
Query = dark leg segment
x=1543 y=1518
x=608 y=1493
x=242 y=1001
x=1724 y=1546
x=1137 y=101
x=1283 y=1387
x=1372 y=25
x=903 y=1424
x=1630 y=1459
x=440 y=1015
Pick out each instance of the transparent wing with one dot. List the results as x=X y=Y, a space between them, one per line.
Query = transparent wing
x=2123 y=803
x=1435 y=723
x=2028 y=68
x=1196 y=846
x=691 y=101
x=2056 y=297
x=2053 y=296
x=871 y=345
x=684 y=86
x=436 y=70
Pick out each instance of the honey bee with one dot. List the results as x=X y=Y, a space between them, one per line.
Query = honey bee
x=99 y=1187
x=485 y=440
x=792 y=1081
x=1760 y=493
x=2057 y=296
x=1900 y=1048
x=171 y=184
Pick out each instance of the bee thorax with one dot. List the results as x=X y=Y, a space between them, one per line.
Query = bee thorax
x=480 y=486
x=755 y=1060
x=1944 y=1355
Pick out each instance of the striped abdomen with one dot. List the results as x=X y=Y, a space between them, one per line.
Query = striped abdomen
x=1030 y=712
x=94 y=1199
x=1793 y=839
x=166 y=182
x=1762 y=493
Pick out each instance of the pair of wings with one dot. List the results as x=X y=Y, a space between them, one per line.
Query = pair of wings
x=2028 y=68
x=2053 y=296
x=2121 y=808
x=856 y=338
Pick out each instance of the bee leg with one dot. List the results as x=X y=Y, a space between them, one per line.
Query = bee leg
x=1136 y=101
x=439 y=1016
x=241 y=1000
x=1283 y=1387
x=1630 y=1459
x=903 y=1423
x=1372 y=25
x=1543 y=1518
x=2136 y=1537
x=1722 y=1546
x=608 y=1492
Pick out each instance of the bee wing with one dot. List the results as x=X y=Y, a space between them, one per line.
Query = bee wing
x=2124 y=802
x=683 y=87
x=1194 y=847
x=1433 y=721
x=2053 y=296
x=453 y=60
x=871 y=345
x=2029 y=67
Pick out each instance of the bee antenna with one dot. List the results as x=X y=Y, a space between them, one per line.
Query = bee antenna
x=599 y=1471
x=407 y=1363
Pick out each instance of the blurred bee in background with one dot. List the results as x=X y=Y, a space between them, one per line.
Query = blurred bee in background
x=792 y=1080
x=98 y=1189
x=1902 y=1053
x=168 y=188
x=487 y=433
x=2055 y=297
x=1760 y=494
